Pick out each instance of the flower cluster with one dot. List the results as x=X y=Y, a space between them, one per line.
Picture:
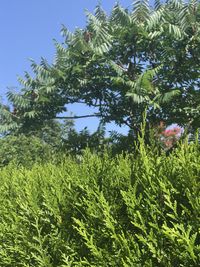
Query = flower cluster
x=169 y=136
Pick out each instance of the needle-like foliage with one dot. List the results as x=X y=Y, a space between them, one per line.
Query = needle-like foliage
x=130 y=210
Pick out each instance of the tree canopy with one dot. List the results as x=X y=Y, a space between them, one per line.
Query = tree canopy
x=144 y=58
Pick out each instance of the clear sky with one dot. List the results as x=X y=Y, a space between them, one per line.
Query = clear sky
x=27 y=30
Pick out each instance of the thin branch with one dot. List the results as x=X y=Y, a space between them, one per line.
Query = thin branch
x=78 y=117
x=75 y=101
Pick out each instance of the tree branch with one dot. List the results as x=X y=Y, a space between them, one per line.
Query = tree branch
x=78 y=117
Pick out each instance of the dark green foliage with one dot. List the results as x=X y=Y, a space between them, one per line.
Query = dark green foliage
x=75 y=142
x=125 y=211
x=41 y=145
x=136 y=59
x=23 y=150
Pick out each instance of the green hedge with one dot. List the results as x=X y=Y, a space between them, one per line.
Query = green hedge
x=125 y=211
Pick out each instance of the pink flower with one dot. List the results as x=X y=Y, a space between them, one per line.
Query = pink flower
x=170 y=135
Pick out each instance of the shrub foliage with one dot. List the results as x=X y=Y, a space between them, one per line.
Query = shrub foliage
x=23 y=150
x=132 y=210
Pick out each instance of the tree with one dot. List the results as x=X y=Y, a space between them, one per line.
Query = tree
x=133 y=60
x=24 y=150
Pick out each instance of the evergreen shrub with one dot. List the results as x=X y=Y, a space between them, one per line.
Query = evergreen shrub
x=129 y=210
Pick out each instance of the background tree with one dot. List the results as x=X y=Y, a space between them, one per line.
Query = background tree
x=24 y=150
x=133 y=60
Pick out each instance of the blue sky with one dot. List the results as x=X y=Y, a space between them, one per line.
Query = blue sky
x=27 y=30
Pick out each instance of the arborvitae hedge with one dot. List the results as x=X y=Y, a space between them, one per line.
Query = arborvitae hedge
x=134 y=210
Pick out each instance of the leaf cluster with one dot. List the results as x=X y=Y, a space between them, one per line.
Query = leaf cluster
x=136 y=59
